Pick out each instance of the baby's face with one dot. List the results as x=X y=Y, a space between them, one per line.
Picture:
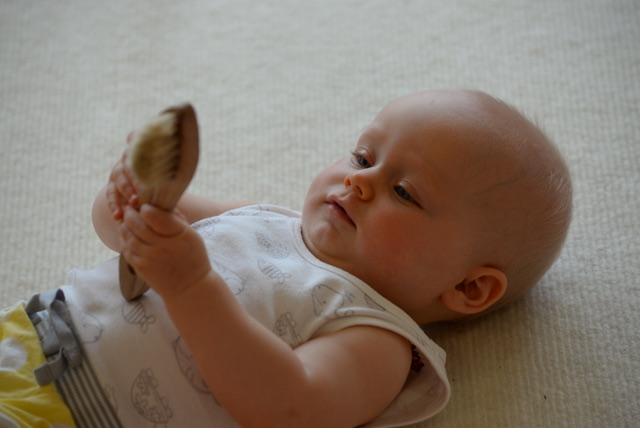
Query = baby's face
x=395 y=212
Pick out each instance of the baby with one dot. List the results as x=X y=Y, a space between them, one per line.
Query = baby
x=451 y=204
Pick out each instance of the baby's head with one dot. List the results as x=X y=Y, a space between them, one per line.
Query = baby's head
x=452 y=204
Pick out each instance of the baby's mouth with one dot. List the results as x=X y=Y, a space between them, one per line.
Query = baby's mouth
x=339 y=211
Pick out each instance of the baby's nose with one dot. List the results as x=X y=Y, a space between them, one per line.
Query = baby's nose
x=360 y=184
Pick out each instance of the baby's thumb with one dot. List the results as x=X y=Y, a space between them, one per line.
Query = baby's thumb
x=167 y=223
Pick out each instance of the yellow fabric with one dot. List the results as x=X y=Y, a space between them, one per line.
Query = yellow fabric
x=21 y=398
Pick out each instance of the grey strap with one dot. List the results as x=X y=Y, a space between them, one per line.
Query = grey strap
x=52 y=322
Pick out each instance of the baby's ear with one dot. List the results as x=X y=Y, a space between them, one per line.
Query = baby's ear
x=481 y=288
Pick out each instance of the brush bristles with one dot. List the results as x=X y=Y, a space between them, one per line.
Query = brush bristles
x=154 y=154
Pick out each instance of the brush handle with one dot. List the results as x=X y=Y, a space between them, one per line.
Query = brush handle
x=166 y=195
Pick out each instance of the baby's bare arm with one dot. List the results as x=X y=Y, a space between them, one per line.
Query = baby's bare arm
x=339 y=380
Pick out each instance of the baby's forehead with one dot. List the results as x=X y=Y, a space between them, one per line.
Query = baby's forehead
x=473 y=123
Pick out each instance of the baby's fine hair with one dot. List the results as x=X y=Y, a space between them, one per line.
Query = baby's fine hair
x=548 y=231
x=535 y=243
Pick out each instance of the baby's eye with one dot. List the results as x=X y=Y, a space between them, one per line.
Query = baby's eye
x=361 y=160
x=402 y=192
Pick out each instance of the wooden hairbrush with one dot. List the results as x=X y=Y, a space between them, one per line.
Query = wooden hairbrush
x=163 y=157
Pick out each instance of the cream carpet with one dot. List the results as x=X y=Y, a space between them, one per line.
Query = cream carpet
x=282 y=88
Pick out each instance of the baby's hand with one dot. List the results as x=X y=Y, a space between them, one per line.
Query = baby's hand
x=163 y=249
x=122 y=189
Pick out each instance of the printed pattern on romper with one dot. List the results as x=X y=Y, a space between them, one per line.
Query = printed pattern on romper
x=235 y=283
x=285 y=329
x=329 y=303
x=188 y=366
x=275 y=250
x=147 y=400
x=90 y=327
x=134 y=312
x=285 y=325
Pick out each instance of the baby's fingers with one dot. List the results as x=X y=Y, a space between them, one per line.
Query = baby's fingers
x=124 y=184
x=134 y=228
x=115 y=201
x=164 y=223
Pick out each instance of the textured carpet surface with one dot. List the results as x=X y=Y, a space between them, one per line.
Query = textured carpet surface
x=282 y=88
